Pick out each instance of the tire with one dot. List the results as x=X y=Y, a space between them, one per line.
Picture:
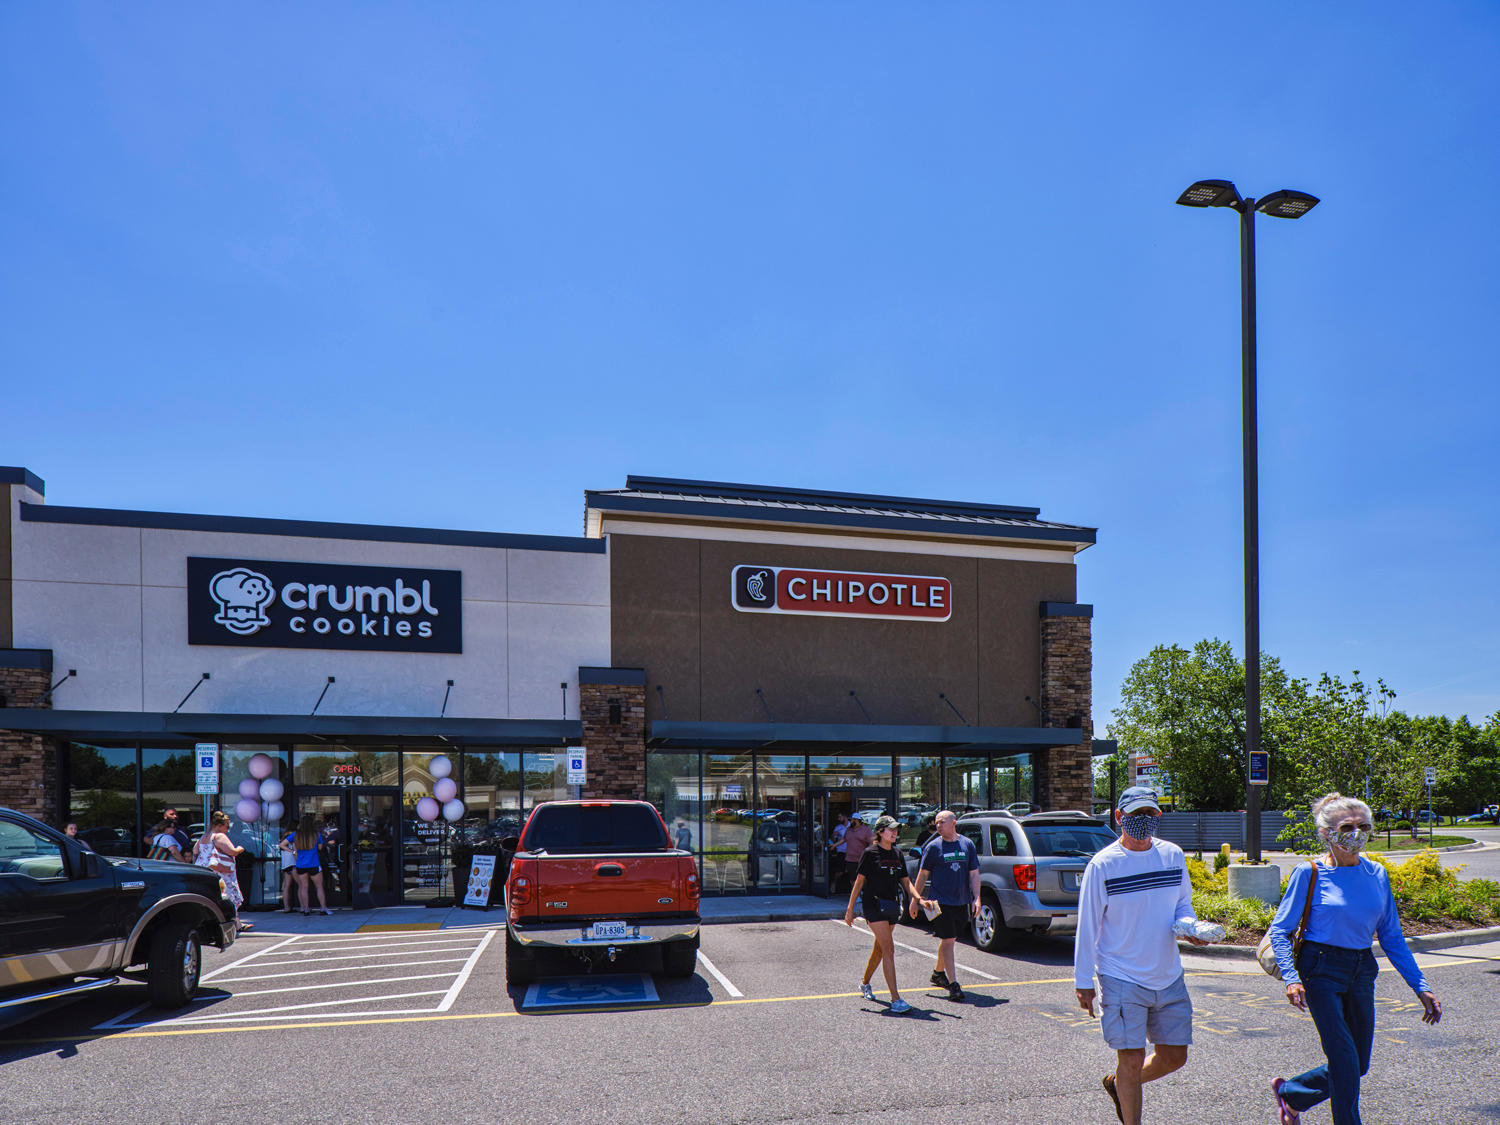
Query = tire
x=989 y=930
x=680 y=958
x=520 y=964
x=173 y=965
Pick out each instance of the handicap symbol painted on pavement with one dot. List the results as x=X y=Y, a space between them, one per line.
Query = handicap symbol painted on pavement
x=591 y=992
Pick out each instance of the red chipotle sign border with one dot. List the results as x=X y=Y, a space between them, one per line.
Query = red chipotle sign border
x=840 y=593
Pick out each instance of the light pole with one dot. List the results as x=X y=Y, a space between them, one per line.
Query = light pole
x=1282 y=205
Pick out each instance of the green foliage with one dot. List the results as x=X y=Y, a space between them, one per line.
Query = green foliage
x=1215 y=881
x=1232 y=913
x=1221 y=861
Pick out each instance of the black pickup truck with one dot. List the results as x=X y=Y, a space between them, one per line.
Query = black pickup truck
x=72 y=921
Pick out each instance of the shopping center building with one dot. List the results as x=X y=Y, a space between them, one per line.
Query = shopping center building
x=753 y=660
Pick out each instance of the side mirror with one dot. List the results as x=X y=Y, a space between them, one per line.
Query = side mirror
x=92 y=865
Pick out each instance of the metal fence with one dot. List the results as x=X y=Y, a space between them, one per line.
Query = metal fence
x=1207 y=831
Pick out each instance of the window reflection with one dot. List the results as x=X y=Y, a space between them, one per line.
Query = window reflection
x=102 y=797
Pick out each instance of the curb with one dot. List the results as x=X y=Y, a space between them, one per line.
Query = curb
x=742 y=919
x=1417 y=943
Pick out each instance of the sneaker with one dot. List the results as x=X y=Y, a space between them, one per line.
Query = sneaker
x=899 y=1006
x=940 y=978
x=1109 y=1088
x=866 y=991
x=1289 y=1116
x=955 y=993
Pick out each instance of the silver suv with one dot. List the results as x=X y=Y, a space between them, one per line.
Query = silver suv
x=1029 y=870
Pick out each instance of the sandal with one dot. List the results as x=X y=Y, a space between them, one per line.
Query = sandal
x=246 y=926
x=1289 y=1116
x=329 y=913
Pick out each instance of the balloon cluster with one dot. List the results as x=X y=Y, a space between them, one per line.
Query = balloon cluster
x=260 y=792
x=444 y=800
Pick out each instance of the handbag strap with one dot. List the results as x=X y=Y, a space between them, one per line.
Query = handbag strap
x=1306 y=909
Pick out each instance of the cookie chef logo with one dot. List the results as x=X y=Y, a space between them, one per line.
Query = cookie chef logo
x=243 y=595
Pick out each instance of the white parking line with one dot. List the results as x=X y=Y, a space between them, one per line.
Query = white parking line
x=342 y=969
x=718 y=976
x=928 y=952
x=463 y=975
x=366 y=951
x=339 y=984
x=372 y=956
x=117 y=1021
x=265 y=1013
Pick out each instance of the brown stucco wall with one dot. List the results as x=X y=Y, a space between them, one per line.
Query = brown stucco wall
x=671 y=614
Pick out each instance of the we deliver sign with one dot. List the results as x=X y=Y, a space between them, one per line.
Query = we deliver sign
x=840 y=593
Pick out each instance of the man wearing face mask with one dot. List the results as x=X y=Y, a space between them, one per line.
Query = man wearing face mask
x=1134 y=891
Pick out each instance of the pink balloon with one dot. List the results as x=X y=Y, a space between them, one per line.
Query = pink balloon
x=272 y=790
x=428 y=809
x=247 y=810
x=453 y=811
x=249 y=789
x=262 y=765
x=440 y=766
x=445 y=789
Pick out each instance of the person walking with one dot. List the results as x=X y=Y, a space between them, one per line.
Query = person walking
x=164 y=844
x=1134 y=891
x=216 y=851
x=1332 y=976
x=305 y=842
x=857 y=837
x=838 y=877
x=953 y=862
x=882 y=872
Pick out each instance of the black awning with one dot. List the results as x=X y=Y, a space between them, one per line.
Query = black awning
x=834 y=738
x=143 y=726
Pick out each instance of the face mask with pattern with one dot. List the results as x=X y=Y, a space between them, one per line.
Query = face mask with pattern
x=1140 y=826
x=1350 y=841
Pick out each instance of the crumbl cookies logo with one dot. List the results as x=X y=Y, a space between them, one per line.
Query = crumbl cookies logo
x=323 y=605
x=242 y=596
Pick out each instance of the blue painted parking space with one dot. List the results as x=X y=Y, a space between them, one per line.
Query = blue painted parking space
x=590 y=992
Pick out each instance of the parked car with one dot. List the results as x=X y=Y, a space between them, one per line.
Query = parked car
x=591 y=879
x=1030 y=868
x=72 y=921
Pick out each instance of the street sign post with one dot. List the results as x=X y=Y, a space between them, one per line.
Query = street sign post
x=1260 y=767
x=206 y=774
x=578 y=769
x=1429 y=776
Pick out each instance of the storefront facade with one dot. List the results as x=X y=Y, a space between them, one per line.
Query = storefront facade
x=752 y=660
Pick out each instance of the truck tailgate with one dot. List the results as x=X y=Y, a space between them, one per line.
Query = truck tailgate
x=611 y=886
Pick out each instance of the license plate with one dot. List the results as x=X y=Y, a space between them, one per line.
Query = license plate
x=602 y=930
x=1070 y=880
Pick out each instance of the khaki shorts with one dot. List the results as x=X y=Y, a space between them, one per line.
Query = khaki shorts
x=1131 y=1014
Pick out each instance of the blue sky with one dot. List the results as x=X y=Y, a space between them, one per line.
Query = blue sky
x=451 y=265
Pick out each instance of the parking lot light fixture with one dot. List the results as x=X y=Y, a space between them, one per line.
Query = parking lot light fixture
x=1210 y=193
x=1286 y=204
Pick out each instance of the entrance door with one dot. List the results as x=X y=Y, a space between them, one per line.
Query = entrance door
x=361 y=828
x=826 y=866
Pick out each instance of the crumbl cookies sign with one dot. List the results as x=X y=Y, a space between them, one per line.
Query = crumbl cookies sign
x=323 y=605
x=840 y=593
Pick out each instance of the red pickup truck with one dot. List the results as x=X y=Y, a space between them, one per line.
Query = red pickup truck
x=593 y=879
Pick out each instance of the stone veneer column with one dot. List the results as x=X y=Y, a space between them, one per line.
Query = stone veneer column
x=612 y=706
x=28 y=764
x=1065 y=781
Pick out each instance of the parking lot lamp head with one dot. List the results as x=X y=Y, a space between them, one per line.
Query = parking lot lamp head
x=1286 y=204
x=1211 y=193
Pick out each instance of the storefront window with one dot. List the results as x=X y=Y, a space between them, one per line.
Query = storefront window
x=546 y=773
x=492 y=794
x=775 y=852
x=728 y=795
x=425 y=844
x=345 y=766
x=102 y=797
x=967 y=784
x=260 y=868
x=167 y=782
x=1011 y=780
x=918 y=796
x=848 y=772
x=672 y=786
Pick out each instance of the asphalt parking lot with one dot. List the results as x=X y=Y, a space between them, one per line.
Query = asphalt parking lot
x=771 y=1028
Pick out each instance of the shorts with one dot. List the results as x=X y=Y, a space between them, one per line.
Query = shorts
x=1131 y=1014
x=308 y=870
x=870 y=907
x=951 y=920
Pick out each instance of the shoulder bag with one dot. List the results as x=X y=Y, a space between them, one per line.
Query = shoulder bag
x=1266 y=955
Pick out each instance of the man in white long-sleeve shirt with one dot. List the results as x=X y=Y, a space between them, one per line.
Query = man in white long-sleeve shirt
x=1133 y=892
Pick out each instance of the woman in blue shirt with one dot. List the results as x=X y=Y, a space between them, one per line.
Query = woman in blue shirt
x=1333 y=977
x=305 y=843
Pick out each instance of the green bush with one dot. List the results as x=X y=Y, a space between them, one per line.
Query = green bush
x=1221 y=861
x=1232 y=913
x=1206 y=881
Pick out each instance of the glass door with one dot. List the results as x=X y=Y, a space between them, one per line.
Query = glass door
x=360 y=828
x=824 y=865
x=328 y=807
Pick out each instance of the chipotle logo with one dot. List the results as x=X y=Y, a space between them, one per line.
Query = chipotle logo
x=840 y=593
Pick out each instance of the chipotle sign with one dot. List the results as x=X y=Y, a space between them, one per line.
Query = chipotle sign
x=840 y=593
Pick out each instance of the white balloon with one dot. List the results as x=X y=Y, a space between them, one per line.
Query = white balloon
x=445 y=789
x=247 y=810
x=274 y=810
x=427 y=809
x=440 y=766
x=250 y=788
x=271 y=789
x=453 y=811
x=262 y=765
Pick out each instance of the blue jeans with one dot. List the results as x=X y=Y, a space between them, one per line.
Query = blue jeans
x=1340 y=987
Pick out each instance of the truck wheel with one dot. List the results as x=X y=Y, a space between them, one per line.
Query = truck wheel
x=680 y=958
x=172 y=969
x=520 y=964
x=991 y=934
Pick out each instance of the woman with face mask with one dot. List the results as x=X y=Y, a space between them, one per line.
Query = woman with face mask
x=1333 y=976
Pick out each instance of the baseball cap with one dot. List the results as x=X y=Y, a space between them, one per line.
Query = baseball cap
x=857 y=815
x=885 y=822
x=1138 y=797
